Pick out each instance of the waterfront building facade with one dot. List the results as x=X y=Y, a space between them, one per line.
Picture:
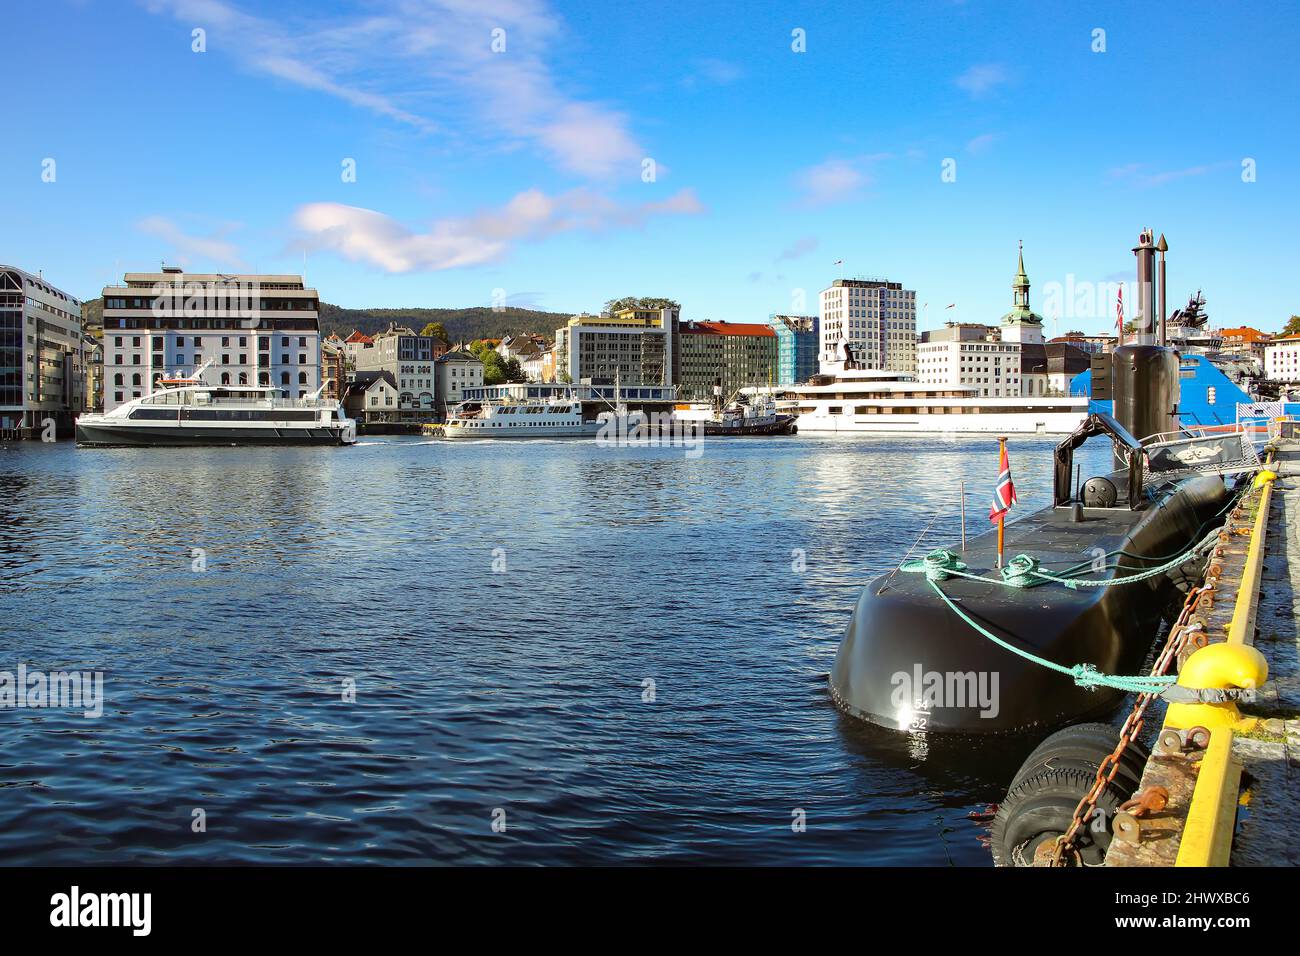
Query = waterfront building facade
x=875 y=318
x=410 y=358
x=457 y=370
x=797 y=345
x=44 y=356
x=636 y=346
x=253 y=329
x=371 y=397
x=969 y=354
x=334 y=367
x=733 y=355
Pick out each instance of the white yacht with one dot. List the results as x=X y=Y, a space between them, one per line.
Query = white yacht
x=187 y=411
x=870 y=400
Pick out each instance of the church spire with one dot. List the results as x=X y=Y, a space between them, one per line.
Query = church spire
x=1021 y=285
x=1021 y=314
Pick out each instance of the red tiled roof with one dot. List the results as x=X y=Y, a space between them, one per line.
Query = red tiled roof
x=358 y=337
x=1246 y=333
x=729 y=328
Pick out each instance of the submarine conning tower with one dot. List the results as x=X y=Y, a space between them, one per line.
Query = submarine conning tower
x=1144 y=372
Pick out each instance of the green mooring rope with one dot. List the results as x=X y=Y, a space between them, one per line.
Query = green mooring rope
x=1024 y=571
x=1085 y=675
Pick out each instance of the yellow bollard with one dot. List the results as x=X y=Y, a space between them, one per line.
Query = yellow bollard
x=1263 y=478
x=1218 y=666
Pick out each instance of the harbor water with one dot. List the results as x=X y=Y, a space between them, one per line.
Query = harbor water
x=413 y=651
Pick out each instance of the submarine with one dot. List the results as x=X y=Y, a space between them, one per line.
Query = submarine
x=957 y=644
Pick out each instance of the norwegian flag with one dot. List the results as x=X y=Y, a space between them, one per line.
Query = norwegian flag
x=1119 y=310
x=1004 y=495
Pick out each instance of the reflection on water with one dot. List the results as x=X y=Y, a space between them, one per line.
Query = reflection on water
x=524 y=689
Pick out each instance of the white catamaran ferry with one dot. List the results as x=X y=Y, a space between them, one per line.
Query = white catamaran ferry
x=867 y=400
x=186 y=411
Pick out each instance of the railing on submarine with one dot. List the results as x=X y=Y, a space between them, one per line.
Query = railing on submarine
x=1126 y=448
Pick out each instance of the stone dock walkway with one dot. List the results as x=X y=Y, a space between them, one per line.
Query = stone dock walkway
x=1268 y=828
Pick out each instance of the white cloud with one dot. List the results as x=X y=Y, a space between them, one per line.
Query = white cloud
x=413 y=60
x=836 y=180
x=364 y=235
x=981 y=143
x=982 y=79
x=213 y=248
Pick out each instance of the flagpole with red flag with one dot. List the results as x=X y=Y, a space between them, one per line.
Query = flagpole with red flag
x=1004 y=494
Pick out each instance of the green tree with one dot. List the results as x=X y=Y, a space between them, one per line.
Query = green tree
x=438 y=331
x=639 y=302
x=1292 y=326
x=494 y=368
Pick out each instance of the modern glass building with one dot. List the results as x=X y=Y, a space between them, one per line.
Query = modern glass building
x=796 y=347
x=43 y=356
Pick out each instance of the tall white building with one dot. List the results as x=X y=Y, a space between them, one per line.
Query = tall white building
x=43 y=355
x=875 y=318
x=255 y=329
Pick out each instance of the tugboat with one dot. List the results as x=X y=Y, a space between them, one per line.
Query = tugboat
x=750 y=415
x=957 y=644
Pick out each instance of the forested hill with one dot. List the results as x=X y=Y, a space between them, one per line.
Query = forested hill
x=462 y=325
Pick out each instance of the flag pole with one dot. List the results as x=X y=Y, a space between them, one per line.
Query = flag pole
x=1002 y=517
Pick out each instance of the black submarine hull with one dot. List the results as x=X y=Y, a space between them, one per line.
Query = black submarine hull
x=909 y=662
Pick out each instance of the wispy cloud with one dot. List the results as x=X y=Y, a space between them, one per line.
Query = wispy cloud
x=800 y=247
x=212 y=248
x=836 y=180
x=376 y=60
x=981 y=143
x=364 y=235
x=982 y=79
x=1139 y=174
x=717 y=72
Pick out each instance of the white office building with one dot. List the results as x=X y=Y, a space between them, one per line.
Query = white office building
x=875 y=318
x=1282 y=360
x=969 y=355
x=254 y=329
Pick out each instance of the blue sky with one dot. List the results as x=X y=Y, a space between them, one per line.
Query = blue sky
x=523 y=170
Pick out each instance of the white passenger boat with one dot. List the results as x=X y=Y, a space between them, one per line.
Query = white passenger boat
x=556 y=410
x=540 y=418
x=868 y=400
x=186 y=411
